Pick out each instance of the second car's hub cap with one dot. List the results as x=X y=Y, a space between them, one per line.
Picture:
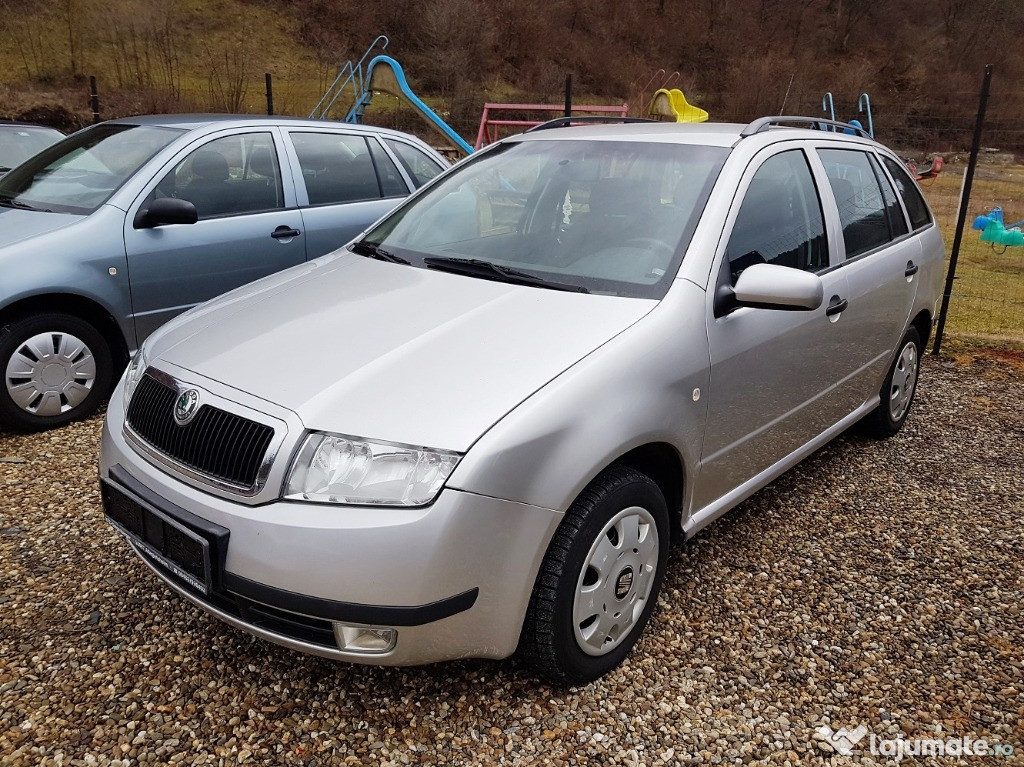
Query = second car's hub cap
x=50 y=374
x=904 y=378
x=615 y=581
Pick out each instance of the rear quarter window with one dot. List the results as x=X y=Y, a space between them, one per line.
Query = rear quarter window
x=912 y=199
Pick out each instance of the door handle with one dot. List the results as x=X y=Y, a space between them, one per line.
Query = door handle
x=912 y=269
x=284 y=231
x=836 y=305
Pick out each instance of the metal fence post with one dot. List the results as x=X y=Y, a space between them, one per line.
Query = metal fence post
x=270 y=94
x=94 y=100
x=961 y=215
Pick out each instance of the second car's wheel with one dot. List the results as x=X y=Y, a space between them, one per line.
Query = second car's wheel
x=898 y=390
x=599 y=579
x=56 y=368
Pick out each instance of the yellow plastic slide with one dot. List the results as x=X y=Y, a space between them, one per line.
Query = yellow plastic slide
x=672 y=103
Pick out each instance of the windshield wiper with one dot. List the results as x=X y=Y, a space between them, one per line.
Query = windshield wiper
x=376 y=251
x=10 y=202
x=474 y=267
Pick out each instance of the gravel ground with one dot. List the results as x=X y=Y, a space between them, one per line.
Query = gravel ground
x=877 y=584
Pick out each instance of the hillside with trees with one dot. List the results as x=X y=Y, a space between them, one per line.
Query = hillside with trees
x=920 y=60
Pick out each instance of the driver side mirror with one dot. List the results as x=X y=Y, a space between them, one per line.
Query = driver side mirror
x=166 y=210
x=769 y=286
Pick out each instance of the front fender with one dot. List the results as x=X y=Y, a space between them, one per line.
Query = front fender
x=85 y=259
x=636 y=389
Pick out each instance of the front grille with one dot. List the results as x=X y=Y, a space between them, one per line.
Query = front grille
x=216 y=443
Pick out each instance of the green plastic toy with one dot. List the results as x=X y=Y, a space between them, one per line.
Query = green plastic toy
x=994 y=231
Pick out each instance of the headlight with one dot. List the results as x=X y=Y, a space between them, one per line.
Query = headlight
x=133 y=374
x=337 y=469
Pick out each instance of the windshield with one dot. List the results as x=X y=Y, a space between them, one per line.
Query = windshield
x=609 y=217
x=19 y=142
x=79 y=174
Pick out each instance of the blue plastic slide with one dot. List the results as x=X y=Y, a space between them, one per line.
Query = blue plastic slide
x=385 y=75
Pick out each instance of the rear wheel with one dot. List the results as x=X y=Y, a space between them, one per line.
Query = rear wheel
x=56 y=368
x=897 y=393
x=600 y=578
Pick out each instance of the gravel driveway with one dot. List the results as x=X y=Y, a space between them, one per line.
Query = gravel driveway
x=877 y=584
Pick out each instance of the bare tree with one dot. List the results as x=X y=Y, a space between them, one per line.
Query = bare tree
x=25 y=27
x=229 y=75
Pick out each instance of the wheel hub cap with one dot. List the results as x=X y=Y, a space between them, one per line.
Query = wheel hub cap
x=50 y=374
x=904 y=378
x=616 y=581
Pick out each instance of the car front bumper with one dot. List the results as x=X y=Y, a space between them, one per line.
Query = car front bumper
x=453 y=579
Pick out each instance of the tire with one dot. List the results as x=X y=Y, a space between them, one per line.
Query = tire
x=54 y=369
x=898 y=390
x=620 y=507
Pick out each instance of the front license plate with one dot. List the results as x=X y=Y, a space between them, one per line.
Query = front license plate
x=180 y=550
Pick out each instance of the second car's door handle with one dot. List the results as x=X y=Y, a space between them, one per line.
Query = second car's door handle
x=912 y=269
x=836 y=305
x=284 y=231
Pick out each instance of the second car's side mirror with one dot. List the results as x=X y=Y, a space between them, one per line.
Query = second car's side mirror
x=166 y=210
x=768 y=286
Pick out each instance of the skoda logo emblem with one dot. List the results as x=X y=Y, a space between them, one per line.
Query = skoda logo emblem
x=624 y=583
x=186 y=406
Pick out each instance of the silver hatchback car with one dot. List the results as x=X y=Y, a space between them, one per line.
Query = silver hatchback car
x=478 y=428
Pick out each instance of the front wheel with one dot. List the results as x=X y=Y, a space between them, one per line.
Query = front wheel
x=599 y=580
x=898 y=390
x=56 y=368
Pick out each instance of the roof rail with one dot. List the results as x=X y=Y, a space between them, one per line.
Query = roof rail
x=815 y=123
x=562 y=122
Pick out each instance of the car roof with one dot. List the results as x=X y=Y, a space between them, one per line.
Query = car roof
x=704 y=134
x=197 y=121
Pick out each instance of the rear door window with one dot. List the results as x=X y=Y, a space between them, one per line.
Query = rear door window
x=862 y=206
x=912 y=199
x=391 y=181
x=336 y=167
x=897 y=221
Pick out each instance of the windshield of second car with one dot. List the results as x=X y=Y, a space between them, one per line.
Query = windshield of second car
x=610 y=217
x=18 y=143
x=79 y=174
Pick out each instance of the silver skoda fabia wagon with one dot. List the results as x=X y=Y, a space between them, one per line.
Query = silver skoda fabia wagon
x=477 y=428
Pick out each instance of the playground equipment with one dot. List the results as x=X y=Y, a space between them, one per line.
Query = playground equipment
x=672 y=104
x=490 y=126
x=994 y=232
x=638 y=93
x=381 y=74
x=863 y=107
x=864 y=104
x=828 y=105
x=926 y=171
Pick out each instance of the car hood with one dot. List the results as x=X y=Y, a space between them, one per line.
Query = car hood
x=17 y=225
x=392 y=352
